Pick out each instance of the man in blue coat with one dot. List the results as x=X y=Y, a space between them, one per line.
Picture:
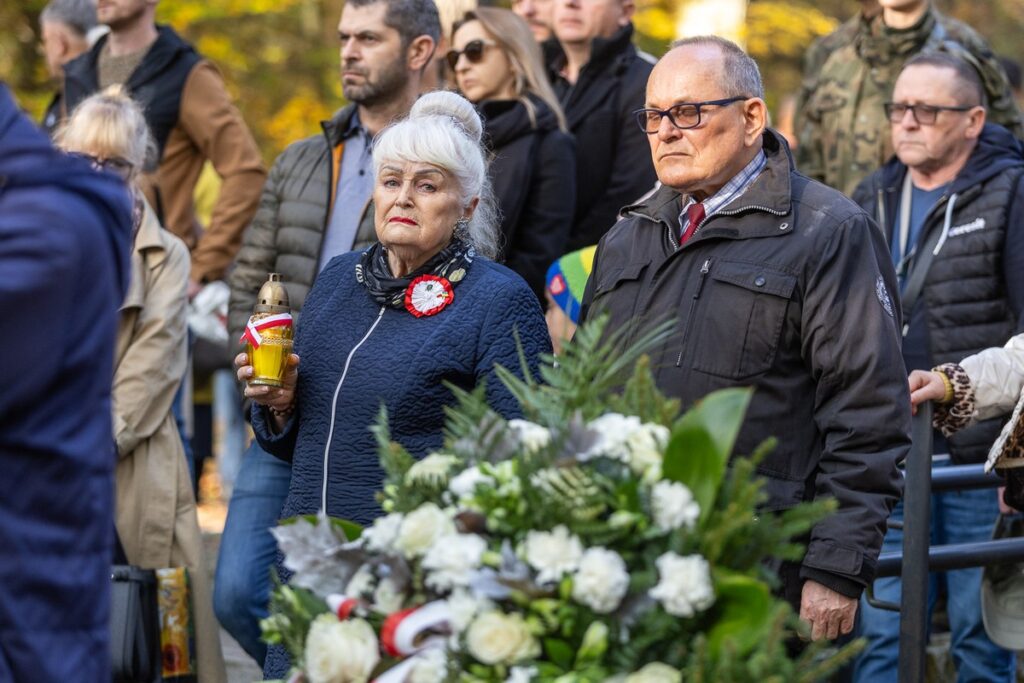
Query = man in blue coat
x=65 y=233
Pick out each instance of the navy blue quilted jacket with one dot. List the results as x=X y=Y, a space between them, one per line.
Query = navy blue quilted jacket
x=397 y=360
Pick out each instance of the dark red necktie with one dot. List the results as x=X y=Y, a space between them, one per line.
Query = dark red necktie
x=695 y=212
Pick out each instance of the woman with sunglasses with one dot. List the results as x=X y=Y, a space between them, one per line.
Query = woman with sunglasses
x=498 y=67
x=155 y=511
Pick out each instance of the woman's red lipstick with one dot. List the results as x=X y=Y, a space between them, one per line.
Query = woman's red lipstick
x=402 y=219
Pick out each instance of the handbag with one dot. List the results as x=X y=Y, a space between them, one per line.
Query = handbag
x=134 y=622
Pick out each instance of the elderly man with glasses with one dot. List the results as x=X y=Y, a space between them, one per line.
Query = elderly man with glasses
x=951 y=204
x=772 y=281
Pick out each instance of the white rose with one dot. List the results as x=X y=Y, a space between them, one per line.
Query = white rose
x=521 y=674
x=431 y=469
x=613 y=434
x=380 y=538
x=421 y=529
x=601 y=581
x=361 y=583
x=532 y=437
x=464 y=606
x=655 y=672
x=463 y=485
x=431 y=667
x=340 y=651
x=496 y=638
x=552 y=553
x=387 y=599
x=647 y=446
x=673 y=506
x=685 y=587
x=452 y=561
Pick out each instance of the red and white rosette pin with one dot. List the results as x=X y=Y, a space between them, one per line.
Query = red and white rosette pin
x=428 y=295
x=341 y=605
x=254 y=327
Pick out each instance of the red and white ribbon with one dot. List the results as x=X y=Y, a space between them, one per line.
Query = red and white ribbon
x=342 y=606
x=400 y=631
x=253 y=328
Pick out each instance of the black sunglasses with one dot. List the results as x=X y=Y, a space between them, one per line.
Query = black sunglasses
x=474 y=52
x=683 y=115
x=116 y=165
x=924 y=114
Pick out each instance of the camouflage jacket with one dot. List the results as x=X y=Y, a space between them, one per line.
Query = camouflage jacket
x=841 y=124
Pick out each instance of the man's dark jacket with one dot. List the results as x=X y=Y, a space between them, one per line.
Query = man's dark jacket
x=613 y=157
x=786 y=289
x=65 y=241
x=287 y=233
x=973 y=294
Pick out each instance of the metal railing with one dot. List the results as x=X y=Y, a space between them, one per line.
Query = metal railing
x=918 y=557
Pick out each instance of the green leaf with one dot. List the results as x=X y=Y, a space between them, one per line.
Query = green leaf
x=745 y=606
x=560 y=652
x=351 y=529
x=702 y=442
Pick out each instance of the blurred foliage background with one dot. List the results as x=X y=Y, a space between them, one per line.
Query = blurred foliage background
x=280 y=59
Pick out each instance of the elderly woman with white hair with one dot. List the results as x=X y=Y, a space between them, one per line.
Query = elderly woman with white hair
x=422 y=307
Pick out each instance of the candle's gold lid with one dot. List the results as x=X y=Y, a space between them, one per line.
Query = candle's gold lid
x=273 y=297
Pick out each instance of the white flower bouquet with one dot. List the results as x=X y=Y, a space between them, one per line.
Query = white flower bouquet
x=606 y=537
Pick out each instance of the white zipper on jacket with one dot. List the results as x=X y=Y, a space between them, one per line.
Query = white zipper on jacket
x=334 y=405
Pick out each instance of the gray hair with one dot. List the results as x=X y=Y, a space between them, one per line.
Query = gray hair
x=740 y=75
x=78 y=15
x=411 y=18
x=970 y=91
x=444 y=130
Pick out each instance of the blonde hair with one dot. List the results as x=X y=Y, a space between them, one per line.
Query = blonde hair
x=450 y=12
x=443 y=129
x=512 y=34
x=109 y=124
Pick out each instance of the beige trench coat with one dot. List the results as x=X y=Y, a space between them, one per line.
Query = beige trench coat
x=156 y=511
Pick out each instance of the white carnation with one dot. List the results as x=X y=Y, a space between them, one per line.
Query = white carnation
x=452 y=561
x=601 y=581
x=464 y=606
x=497 y=638
x=532 y=437
x=521 y=674
x=380 y=538
x=361 y=583
x=673 y=506
x=340 y=651
x=387 y=599
x=646 y=447
x=463 y=485
x=655 y=672
x=552 y=553
x=431 y=667
x=421 y=529
x=613 y=434
x=685 y=587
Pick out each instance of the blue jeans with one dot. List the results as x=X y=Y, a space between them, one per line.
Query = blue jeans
x=957 y=517
x=242 y=584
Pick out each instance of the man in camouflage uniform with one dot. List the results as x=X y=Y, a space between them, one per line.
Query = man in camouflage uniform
x=849 y=75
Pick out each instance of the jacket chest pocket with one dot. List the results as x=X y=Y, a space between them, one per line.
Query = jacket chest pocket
x=743 y=308
x=617 y=293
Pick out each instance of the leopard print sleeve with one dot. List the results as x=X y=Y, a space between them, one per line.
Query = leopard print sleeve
x=949 y=418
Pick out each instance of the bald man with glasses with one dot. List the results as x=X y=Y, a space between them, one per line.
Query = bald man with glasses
x=773 y=281
x=951 y=204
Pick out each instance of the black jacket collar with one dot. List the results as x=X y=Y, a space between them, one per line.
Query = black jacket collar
x=167 y=47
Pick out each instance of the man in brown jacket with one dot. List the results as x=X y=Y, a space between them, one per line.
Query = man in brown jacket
x=192 y=120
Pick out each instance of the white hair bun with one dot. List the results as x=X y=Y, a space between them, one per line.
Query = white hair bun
x=452 y=105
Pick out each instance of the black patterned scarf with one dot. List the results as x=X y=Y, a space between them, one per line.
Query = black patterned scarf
x=374 y=272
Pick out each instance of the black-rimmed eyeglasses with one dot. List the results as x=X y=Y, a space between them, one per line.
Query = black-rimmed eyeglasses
x=924 y=114
x=683 y=115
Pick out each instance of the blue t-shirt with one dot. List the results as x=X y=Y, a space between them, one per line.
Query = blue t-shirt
x=921 y=203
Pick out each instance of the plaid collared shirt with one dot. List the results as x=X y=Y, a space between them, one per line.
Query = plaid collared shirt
x=732 y=189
